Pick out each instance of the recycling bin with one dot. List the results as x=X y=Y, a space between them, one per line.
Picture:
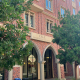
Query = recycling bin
x=17 y=79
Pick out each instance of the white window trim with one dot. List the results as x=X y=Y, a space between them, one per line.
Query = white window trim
x=51 y=6
x=29 y=13
x=74 y=9
x=62 y=8
x=79 y=2
x=50 y=21
x=73 y=1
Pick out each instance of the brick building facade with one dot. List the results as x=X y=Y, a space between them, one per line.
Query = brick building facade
x=42 y=63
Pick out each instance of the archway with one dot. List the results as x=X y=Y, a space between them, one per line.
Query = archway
x=30 y=67
x=50 y=66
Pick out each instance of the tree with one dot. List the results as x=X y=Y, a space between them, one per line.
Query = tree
x=13 y=33
x=67 y=36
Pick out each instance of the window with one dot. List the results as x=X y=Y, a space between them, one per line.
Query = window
x=65 y=67
x=26 y=18
x=79 y=3
x=49 y=26
x=48 y=4
x=29 y=19
x=73 y=0
x=73 y=11
x=62 y=12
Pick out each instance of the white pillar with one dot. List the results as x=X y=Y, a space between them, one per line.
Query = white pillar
x=21 y=72
x=59 y=70
x=39 y=71
x=78 y=72
x=42 y=70
x=73 y=69
x=10 y=73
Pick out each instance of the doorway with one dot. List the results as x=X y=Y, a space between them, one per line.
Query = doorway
x=48 y=64
x=30 y=67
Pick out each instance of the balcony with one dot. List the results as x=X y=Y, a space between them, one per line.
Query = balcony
x=36 y=8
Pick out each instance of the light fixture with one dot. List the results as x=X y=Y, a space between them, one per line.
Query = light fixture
x=24 y=63
x=47 y=57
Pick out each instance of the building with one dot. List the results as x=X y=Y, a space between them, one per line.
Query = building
x=42 y=63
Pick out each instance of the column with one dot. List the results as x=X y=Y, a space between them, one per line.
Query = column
x=62 y=72
x=21 y=72
x=42 y=70
x=10 y=74
x=39 y=71
x=16 y=72
x=59 y=71
x=73 y=69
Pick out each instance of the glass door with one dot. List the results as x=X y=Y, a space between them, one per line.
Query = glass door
x=30 y=68
x=48 y=64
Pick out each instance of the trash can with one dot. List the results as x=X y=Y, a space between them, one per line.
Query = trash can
x=17 y=79
x=25 y=79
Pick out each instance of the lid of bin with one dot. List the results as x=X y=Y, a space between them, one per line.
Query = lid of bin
x=17 y=78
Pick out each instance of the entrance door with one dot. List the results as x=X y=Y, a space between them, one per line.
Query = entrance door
x=48 y=64
x=30 y=68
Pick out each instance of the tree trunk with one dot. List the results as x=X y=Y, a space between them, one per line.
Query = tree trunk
x=75 y=70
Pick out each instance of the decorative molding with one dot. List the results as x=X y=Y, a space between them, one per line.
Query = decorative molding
x=41 y=37
x=16 y=66
x=50 y=15
x=61 y=65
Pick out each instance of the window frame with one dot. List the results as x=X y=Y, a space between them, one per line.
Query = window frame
x=73 y=0
x=47 y=7
x=61 y=12
x=73 y=11
x=79 y=3
x=50 y=22
x=29 y=22
x=66 y=68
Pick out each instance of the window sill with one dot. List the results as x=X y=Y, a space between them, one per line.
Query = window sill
x=49 y=33
x=32 y=27
x=66 y=72
x=37 y=0
x=49 y=10
x=64 y=0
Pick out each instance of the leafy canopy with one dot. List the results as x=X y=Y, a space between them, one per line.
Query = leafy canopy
x=67 y=35
x=13 y=33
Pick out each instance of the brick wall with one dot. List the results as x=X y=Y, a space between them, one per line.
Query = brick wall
x=69 y=70
x=16 y=72
x=40 y=28
x=5 y=74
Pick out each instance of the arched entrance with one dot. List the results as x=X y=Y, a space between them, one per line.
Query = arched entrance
x=48 y=64
x=30 y=67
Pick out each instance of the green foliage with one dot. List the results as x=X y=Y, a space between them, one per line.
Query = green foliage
x=13 y=36
x=68 y=37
